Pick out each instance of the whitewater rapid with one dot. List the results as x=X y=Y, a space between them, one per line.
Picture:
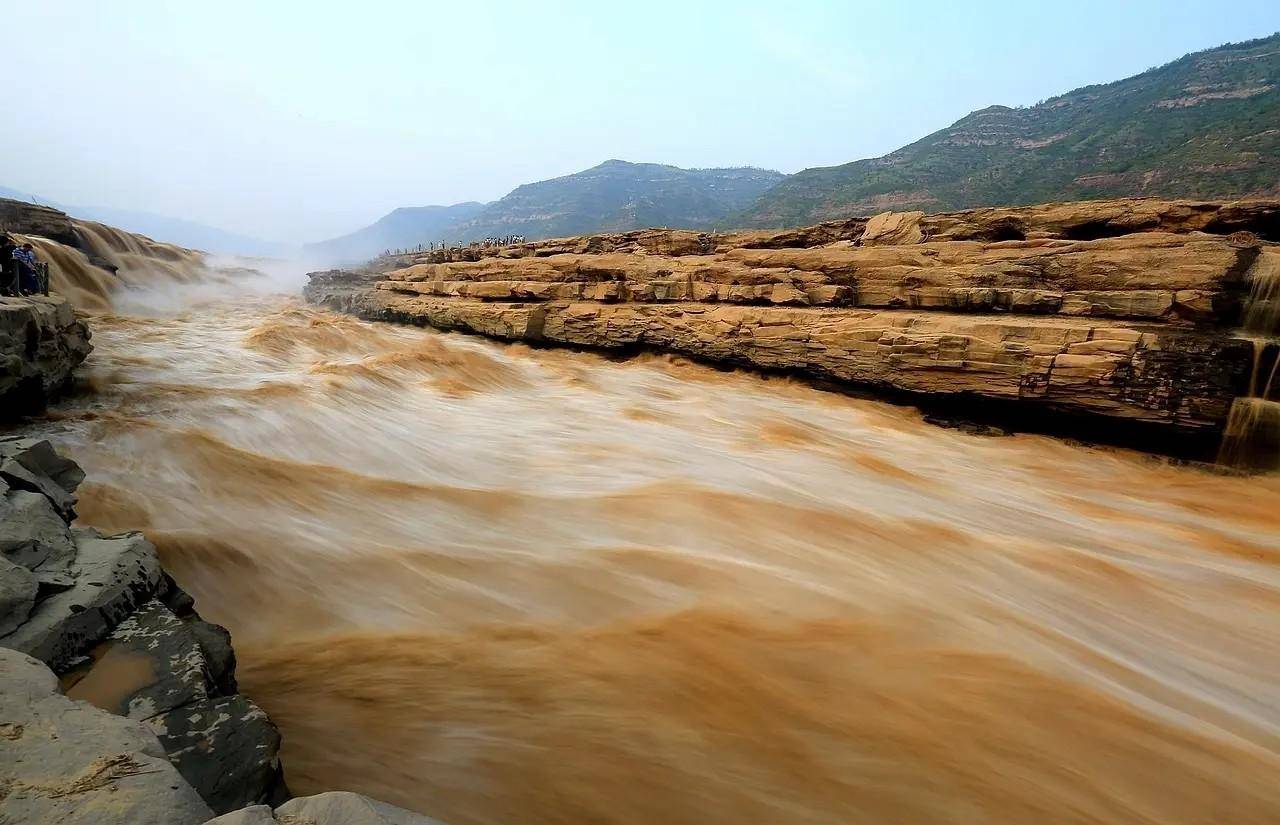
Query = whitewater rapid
x=503 y=585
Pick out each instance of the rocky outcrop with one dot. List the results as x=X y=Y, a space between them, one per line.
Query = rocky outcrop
x=100 y=612
x=1113 y=314
x=32 y=219
x=339 y=289
x=41 y=342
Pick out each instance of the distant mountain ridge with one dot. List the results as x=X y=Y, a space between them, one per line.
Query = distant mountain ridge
x=614 y=196
x=1204 y=126
x=401 y=228
x=617 y=195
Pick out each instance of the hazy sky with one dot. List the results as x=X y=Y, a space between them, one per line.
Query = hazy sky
x=297 y=121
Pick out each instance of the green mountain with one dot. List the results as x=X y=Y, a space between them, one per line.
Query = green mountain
x=617 y=196
x=612 y=197
x=1204 y=126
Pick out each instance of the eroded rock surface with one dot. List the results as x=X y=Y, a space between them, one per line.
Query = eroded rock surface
x=1116 y=311
x=41 y=342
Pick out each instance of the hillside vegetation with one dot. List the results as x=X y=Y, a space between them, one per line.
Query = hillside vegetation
x=1204 y=126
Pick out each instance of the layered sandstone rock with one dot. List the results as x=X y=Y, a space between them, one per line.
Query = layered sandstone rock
x=1110 y=310
x=41 y=342
x=32 y=219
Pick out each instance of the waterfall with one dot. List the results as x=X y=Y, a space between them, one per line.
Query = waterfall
x=1252 y=437
x=110 y=259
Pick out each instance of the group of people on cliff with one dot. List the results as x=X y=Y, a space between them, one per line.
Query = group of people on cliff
x=505 y=240
x=432 y=246
x=19 y=269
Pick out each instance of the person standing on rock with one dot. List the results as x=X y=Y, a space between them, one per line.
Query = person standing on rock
x=28 y=282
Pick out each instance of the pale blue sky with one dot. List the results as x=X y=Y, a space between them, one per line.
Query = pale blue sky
x=299 y=120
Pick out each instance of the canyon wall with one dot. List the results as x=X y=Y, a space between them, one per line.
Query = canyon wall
x=1112 y=314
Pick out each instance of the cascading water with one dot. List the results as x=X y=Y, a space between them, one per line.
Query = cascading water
x=111 y=259
x=1252 y=436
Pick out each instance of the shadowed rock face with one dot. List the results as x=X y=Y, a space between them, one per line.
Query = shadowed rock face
x=41 y=342
x=1106 y=311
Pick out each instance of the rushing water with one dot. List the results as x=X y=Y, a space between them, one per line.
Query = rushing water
x=1251 y=439
x=502 y=585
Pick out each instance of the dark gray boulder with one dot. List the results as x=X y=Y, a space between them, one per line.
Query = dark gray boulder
x=227 y=748
x=219 y=655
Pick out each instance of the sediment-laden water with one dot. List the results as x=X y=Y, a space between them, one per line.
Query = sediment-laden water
x=500 y=585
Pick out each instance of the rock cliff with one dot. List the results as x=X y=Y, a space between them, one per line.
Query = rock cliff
x=32 y=219
x=41 y=342
x=1115 y=315
x=118 y=703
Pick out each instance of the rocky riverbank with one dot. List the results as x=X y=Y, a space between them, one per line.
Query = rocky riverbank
x=118 y=703
x=1115 y=317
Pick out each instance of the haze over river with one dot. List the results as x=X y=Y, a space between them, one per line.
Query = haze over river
x=503 y=585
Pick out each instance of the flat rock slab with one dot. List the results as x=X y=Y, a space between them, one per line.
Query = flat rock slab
x=226 y=748
x=68 y=762
x=114 y=574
